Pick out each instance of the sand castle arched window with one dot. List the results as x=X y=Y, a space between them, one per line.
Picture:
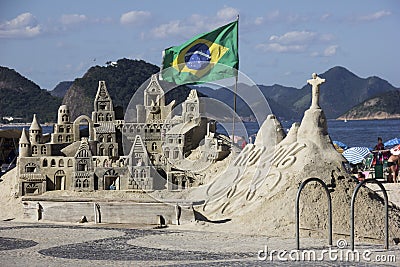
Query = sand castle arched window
x=176 y=153
x=60 y=129
x=105 y=163
x=154 y=146
x=144 y=173
x=108 y=117
x=68 y=138
x=61 y=163
x=111 y=150
x=101 y=138
x=53 y=163
x=68 y=129
x=166 y=152
x=60 y=138
x=43 y=150
x=69 y=163
x=37 y=138
x=34 y=150
x=30 y=167
x=64 y=118
x=78 y=183
x=44 y=163
x=101 y=150
x=135 y=173
x=82 y=165
x=109 y=138
x=85 y=183
x=101 y=117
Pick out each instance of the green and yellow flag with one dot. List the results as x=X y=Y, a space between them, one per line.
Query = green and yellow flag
x=207 y=57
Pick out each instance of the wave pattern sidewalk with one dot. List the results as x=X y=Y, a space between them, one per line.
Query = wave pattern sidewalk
x=24 y=244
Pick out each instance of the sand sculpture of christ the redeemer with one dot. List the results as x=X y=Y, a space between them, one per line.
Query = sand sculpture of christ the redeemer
x=315 y=83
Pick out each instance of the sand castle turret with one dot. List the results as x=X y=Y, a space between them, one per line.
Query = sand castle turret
x=24 y=145
x=35 y=131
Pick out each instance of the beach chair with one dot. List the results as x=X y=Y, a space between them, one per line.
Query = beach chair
x=367 y=166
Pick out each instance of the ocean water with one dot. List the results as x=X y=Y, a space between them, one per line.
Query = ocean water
x=351 y=133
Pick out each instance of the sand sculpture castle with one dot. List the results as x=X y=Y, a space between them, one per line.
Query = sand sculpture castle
x=69 y=159
x=255 y=192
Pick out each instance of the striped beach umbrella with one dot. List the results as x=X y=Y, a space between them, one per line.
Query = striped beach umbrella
x=356 y=154
x=392 y=142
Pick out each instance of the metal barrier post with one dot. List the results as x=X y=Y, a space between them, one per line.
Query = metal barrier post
x=303 y=184
x=385 y=197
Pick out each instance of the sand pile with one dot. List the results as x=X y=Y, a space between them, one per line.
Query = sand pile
x=258 y=190
x=11 y=206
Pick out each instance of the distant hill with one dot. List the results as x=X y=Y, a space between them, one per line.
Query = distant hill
x=61 y=89
x=122 y=81
x=341 y=91
x=384 y=106
x=20 y=97
x=244 y=109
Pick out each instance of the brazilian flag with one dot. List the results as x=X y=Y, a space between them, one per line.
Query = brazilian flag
x=206 y=57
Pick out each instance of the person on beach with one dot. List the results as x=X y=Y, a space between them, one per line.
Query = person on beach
x=378 y=152
x=393 y=163
x=244 y=143
x=379 y=145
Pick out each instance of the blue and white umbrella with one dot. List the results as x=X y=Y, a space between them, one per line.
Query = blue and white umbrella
x=392 y=142
x=340 y=144
x=355 y=155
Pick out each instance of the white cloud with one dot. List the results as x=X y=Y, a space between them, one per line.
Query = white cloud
x=134 y=17
x=325 y=17
x=171 y=28
x=298 y=42
x=330 y=50
x=279 y=48
x=194 y=24
x=24 y=25
x=375 y=16
x=294 y=37
x=70 y=19
x=227 y=13
x=258 y=20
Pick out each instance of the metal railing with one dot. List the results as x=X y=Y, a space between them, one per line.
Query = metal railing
x=303 y=184
x=353 y=199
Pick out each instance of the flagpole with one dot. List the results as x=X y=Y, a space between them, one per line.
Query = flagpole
x=235 y=90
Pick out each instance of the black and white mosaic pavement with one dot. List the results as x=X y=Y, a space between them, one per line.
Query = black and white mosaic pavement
x=60 y=245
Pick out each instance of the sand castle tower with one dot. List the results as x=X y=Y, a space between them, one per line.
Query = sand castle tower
x=24 y=145
x=35 y=131
x=103 y=106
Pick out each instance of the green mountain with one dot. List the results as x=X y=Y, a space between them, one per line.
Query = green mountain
x=61 y=89
x=122 y=81
x=21 y=98
x=341 y=91
x=384 y=106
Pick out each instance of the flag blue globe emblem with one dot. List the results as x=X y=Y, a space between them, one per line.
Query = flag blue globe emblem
x=198 y=57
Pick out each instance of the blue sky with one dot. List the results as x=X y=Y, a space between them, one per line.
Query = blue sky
x=280 y=42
